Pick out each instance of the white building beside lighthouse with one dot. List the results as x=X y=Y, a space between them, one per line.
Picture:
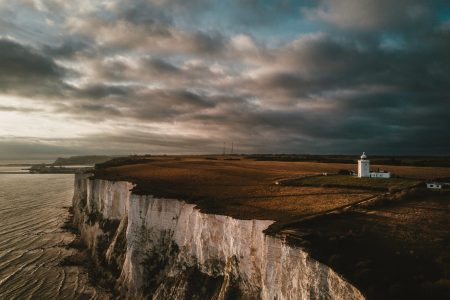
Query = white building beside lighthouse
x=363 y=166
x=364 y=169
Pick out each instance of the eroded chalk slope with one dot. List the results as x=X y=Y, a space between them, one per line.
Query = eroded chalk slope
x=166 y=248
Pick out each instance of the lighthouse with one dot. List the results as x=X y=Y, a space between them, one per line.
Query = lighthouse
x=363 y=166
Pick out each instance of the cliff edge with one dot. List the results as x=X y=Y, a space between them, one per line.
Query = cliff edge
x=147 y=219
x=168 y=249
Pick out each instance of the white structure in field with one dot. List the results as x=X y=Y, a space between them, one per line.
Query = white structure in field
x=434 y=185
x=363 y=166
x=438 y=185
x=364 y=169
x=380 y=174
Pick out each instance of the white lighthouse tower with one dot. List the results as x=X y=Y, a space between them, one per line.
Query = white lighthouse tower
x=363 y=166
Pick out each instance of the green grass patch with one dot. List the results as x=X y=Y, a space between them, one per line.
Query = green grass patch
x=346 y=181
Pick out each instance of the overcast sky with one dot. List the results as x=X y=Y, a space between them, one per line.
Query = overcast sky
x=166 y=76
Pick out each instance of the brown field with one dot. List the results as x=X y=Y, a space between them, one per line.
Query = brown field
x=346 y=181
x=400 y=250
x=397 y=248
x=246 y=188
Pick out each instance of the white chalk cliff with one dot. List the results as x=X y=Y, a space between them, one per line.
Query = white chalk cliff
x=168 y=249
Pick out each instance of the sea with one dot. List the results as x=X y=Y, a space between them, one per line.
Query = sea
x=33 y=245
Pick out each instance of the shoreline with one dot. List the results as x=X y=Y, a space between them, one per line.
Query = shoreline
x=82 y=259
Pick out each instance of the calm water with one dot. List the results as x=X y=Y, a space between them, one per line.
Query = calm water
x=32 y=243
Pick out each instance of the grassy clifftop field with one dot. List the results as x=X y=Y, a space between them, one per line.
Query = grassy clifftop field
x=353 y=182
x=387 y=236
x=246 y=188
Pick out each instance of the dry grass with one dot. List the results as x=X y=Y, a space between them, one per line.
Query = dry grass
x=245 y=188
x=397 y=251
x=347 y=181
x=309 y=202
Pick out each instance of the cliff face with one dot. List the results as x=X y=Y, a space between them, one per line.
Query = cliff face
x=98 y=206
x=168 y=249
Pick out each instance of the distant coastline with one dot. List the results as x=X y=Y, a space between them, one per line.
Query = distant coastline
x=60 y=161
x=61 y=165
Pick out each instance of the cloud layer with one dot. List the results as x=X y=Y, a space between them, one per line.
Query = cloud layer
x=165 y=76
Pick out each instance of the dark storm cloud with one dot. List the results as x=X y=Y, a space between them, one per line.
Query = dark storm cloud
x=208 y=42
x=261 y=12
x=168 y=105
x=26 y=71
x=197 y=73
x=148 y=141
x=148 y=26
x=17 y=109
x=369 y=15
x=103 y=91
x=369 y=74
x=68 y=47
x=89 y=111
x=134 y=104
x=143 y=13
x=321 y=64
x=161 y=66
x=108 y=109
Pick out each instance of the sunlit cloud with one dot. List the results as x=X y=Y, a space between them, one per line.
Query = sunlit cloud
x=185 y=76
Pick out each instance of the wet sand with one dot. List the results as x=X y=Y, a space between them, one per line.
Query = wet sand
x=33 y=208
